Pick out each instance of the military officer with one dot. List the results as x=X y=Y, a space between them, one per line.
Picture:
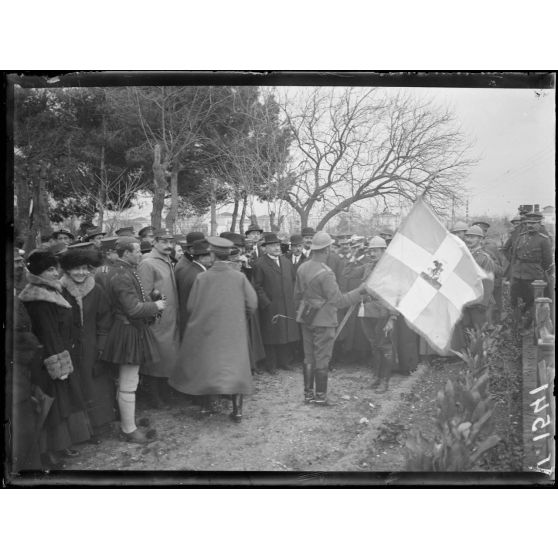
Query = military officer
x=317 y=288
x=533 y=260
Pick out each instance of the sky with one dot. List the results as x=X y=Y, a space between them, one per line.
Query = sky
x=514 y=135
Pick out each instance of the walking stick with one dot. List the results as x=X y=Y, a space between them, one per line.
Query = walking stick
x=275 y=318
x=344 y=321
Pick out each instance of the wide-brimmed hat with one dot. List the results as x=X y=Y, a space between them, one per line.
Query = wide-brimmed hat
x=321 y=240
x=270 y=238
x=200 y=247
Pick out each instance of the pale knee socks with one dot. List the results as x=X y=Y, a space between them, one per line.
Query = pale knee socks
x=127 y=384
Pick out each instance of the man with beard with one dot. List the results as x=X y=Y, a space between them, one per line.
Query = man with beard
x=274 y=278
x=377 y=323
x=157 y=276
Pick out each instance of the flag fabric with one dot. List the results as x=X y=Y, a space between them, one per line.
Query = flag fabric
x=428 y=275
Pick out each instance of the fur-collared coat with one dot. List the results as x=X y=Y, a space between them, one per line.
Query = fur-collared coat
x=156 y=272
x=275 y=287
x=213 y=356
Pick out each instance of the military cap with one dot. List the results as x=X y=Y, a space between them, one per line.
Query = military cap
x=459 y=226
x=321 y=240
x=516 y=219
x=163 y=233
x=219 y=245
x=308 y=231
x=254 y=228
x=92 y=233
x=123 y=241
x=146 y=230
x=386 y=231
x=56 y=234
x=236 y=238
x=534 y=216
x=109 y=243
x=81 y=245
x=296 y=239
x=200 y=247
x=125 y=231
x=191 y=237
x=474 y=230
x=270 y=238
x=145 y=246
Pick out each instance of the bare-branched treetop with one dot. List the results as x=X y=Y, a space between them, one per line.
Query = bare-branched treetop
x=355 y=144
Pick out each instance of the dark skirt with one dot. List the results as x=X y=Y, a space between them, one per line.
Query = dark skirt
x=127 y=344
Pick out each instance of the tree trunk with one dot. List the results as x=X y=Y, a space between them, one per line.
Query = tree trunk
x=213 y=229
x=23 y=191
x=159 y=187
x=40 y=222
x=235 y=212
x=243 y=214
x=104 y=185
x=272 y=226
x=173 y=210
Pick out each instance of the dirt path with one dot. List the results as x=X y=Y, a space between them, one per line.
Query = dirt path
x=278 y=433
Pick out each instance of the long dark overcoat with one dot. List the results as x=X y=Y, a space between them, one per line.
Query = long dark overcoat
x=213 y=356
x=275 y=287
x=185 y=273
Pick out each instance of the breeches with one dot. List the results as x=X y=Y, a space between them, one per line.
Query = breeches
x=373 y=329
x=318 y=345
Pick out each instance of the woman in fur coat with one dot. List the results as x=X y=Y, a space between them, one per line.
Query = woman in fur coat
x=53 y=322
x=95 y=318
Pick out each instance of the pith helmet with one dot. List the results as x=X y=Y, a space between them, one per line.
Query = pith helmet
x=377 y=242
x=321 y=240
x=475 y=230
x=459 y=226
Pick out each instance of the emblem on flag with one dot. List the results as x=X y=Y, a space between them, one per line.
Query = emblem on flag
x=428 y=275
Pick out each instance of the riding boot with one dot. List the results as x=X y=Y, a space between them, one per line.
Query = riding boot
x=321 y=386
x=308 y=375
x=236 y=414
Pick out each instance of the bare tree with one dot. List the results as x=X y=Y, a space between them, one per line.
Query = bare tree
x=352 y=145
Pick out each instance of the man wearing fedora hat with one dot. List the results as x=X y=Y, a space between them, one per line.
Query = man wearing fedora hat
x=157 y=276
x=317 y=288
x=274 y=277
x=186 y=275
x=295 y=255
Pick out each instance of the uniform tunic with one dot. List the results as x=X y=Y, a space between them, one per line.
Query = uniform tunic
x=213 y=356
x=156 y=272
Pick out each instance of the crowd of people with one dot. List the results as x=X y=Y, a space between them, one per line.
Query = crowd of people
x=97 y=317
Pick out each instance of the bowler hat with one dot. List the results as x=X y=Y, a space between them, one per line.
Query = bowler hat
x=125 y=231
x=296 y=239
x=191 y=237
x=321 y=240
x=308 y=231
x=254 y=228
x=270 y=238
x=55 y=234
x=200 y=247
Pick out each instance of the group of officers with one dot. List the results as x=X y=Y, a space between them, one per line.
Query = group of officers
x=202 y=315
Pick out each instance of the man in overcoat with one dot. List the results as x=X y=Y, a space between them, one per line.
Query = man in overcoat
x=213 y=357
x=274 y=277
x=295 y=254
x=186 y=275
x=157 y=276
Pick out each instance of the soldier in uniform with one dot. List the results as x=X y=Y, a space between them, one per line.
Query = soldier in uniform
x=317 y=288
x=125 y=231
x=532 y=261
x=459 y=230
x=62 y=235
x=147 y=234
